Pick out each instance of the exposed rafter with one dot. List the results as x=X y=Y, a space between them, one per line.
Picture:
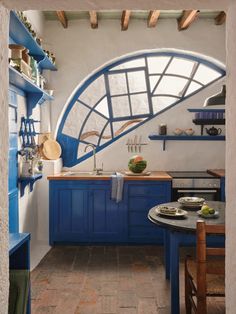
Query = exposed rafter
x=187 y=18
x=220 y=19
x=93 y=19
x=125 y=19
x=153 y=17
x=62 y=18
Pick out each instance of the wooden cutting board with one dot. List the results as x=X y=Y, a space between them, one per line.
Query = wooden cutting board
x=51 y=149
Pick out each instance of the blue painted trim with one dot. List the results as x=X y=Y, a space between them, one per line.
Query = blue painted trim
x=105 y=71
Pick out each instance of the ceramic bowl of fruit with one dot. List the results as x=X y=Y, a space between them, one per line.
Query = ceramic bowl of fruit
x=208 y=212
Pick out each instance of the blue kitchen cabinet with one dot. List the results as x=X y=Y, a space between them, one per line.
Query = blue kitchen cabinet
x=68 y=212
x=107 y=218
x=13 y=163
x=83 y=212
x=141 y=196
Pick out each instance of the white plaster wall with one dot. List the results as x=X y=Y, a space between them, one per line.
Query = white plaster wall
x=231 y=162
x=4 y=264
x=83 y=50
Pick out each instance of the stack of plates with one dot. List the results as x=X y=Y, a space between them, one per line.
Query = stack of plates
x=191 y=202
x=164 y=210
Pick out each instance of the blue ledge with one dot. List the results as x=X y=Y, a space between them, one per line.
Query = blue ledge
x=165 y=138
x=16 y=240
x=207 y=110
x=24 y=181
x=34 y=93
x=20 y=35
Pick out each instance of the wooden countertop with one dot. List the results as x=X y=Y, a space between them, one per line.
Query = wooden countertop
x=154 y=176
x=217 y=172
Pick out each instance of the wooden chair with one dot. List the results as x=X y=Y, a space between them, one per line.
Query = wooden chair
x=205 y=276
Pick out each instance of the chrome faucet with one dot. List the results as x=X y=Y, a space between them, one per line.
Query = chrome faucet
x=95 y=169
x=94 y=155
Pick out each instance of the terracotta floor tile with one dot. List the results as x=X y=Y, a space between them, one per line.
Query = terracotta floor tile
x=105 y=280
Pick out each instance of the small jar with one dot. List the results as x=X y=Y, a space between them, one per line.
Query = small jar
x=162 y=129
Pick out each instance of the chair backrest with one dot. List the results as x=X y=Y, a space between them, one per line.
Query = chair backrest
x=203 y=252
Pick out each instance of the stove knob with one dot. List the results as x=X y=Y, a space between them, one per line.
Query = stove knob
x=210 y=185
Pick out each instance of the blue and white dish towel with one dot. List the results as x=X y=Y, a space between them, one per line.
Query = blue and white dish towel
x=117 y=183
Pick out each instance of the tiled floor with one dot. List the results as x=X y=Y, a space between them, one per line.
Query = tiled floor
x=98 y=279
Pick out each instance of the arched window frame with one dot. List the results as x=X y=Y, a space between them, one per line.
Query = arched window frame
x=70 y=144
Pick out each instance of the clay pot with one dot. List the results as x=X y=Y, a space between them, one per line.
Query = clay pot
x=25 y=56
x=16 y=51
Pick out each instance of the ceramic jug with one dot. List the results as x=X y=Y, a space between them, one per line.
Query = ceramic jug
x=213 y=131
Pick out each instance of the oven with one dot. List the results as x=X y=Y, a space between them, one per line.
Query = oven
x=196 y=183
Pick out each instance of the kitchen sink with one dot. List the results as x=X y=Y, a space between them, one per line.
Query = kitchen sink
x=87 y=173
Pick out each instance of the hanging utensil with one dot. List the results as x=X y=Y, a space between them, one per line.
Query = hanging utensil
x=140 y=143
x=131 y=145
x=128 y=145
x=135 y=143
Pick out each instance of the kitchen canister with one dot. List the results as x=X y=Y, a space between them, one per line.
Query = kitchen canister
x=16 y=51
x=162 y=129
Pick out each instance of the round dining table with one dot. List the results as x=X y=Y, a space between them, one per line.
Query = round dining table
x=181 y=231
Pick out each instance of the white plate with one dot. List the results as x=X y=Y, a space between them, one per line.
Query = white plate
x=215 y=215
x=191 y=200
x=129 y=173
x=179 y=213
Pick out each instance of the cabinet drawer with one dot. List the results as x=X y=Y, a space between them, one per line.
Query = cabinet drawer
x=146 y=190
x=140 y=203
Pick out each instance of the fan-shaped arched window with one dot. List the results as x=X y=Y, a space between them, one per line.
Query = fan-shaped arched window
x=126 y=93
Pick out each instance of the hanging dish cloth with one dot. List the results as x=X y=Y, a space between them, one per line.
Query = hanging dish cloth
x=117 y=181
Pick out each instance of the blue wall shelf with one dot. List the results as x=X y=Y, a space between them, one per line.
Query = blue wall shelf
x=206 y=110
x=164 y=138
x=34 y=93
x=24 y=181
x=20 y=35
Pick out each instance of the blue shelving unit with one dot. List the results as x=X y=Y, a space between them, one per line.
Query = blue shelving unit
x=164 y=138
x=24 y=181
x=34 y=94
x=20 y=35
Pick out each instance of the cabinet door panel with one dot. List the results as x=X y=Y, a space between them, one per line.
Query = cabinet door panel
x=79 y=211
x=69 y=215
x=106 y=216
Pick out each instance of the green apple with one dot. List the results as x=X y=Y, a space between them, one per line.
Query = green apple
x=211 y=211
x=205 y=209
x=205 y=206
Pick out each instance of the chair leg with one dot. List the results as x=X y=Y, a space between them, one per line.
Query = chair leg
x=188 y=292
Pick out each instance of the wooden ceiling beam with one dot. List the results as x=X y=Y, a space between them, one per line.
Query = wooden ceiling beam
x=62 y=18
x=220 y=19
x=93 y=19
x=153 y=17
x=125 y=19
x=187 y=18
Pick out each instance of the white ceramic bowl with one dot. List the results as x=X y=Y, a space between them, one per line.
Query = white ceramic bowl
x=189 y=131
x=178 y=131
